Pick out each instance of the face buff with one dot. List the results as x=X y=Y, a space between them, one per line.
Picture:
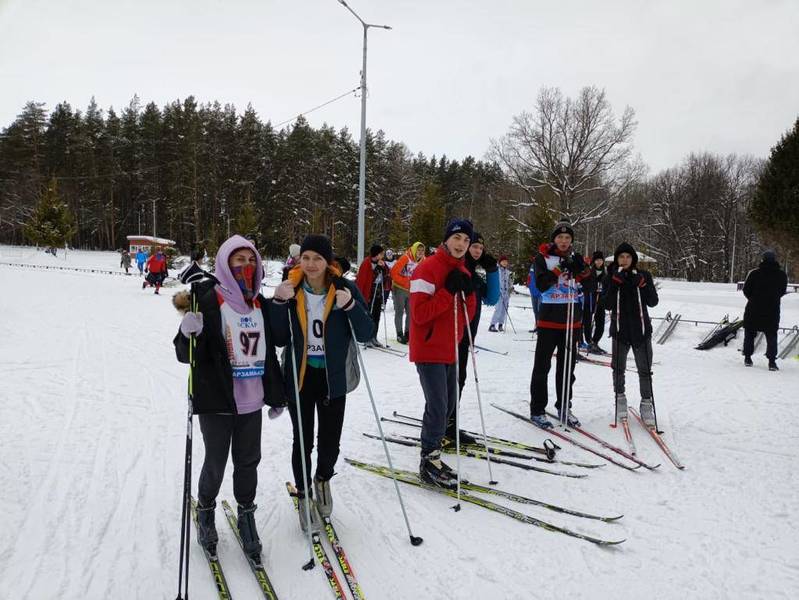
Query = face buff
x=245 y=277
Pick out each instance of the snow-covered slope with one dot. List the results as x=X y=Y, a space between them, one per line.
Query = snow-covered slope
x=92 y=426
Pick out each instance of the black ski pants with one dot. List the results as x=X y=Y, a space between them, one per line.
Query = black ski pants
x=643 y=364
x=771 y=343
x=314 y=399
x=376 y=306
x=547 y=341
x=239 y=435
x=593 y=320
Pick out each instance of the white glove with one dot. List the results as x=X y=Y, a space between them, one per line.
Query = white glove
x=285 y=291
x=192 y=323
x=344 y=299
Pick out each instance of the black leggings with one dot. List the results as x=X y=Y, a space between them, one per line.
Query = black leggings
x=547 y=341
x=313 y=395
x=243 y=432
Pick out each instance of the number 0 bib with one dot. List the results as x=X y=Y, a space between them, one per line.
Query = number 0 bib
x=244 y=338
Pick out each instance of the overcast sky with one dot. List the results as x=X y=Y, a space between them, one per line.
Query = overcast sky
x=720 y=75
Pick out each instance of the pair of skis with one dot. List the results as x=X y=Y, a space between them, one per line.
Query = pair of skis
x=653 y=432
x=215 y=566
x=338 y=549
x=412 y=478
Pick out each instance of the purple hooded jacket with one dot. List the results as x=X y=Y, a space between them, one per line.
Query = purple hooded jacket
x=249 y=392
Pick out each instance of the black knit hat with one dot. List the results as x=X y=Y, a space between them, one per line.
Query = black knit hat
x=597 y=254
x=375 y=250
x=477 y=238
x=625 y=247
x=562 y=227
x=459 y=226
x=319 y=244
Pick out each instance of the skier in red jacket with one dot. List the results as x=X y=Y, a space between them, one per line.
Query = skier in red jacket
x=371 y=275
x=156 y=270
x=438 y=286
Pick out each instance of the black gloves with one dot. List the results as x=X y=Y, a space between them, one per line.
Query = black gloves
x=457 y=281
x=574 y=264
x=488 y=262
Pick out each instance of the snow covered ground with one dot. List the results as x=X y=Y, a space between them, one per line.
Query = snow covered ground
x=92 y=426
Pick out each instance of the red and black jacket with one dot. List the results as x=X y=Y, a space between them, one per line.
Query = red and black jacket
x=550 y=271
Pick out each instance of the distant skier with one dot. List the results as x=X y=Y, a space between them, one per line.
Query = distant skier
x=371 y=274
x=156 y=270
x=559 y=276
x=401 y=274
x=236 y=373
x=628 y=295
x=436 y=287
x=141 y=258
x=484 y=291
x=292 y=260
x=763 y=288
x=326 y=309
x=593 y=310
x=505 y=286
x=390 y=259
x=124 y=261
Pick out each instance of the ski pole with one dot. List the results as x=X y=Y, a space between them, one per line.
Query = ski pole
x=185 y=516
x=310 y=564
x=415 y=540
x=647 y=349
x=567 y=355
x=508 y=317
x=457 y=506
x=491 y=480
x=615 y=360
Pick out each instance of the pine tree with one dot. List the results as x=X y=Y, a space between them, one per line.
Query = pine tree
x=51 y=223
x=775 y=207
x=429 y=218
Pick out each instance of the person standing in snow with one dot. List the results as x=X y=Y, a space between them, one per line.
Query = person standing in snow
x=401 y=274
x=629 y=295
x=485 y=290
x=764 y=287
x=141 y=258
x=156 y=270
x=559 y=276
x=325 y=310
x=505 y=287
x=371 y=275
x=390 y=260
x=124 y=261
x=535 y=294
x=436 y=288
x=291 y=261
x=236 y=372
x=593 y=310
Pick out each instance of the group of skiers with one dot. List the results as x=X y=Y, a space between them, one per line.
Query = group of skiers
x=231 y=334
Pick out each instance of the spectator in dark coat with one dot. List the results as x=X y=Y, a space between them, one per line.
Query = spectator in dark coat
x=764 y=287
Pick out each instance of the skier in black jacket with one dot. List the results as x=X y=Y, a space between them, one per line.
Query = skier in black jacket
x=763 y=288
x=236 y=372
x=628 y=295
x=593 y=309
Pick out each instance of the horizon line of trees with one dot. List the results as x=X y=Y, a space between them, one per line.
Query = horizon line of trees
x=195 y=173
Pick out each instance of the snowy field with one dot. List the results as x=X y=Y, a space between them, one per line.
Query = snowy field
x=92 y=426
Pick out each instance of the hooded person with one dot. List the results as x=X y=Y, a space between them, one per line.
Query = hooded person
x=371 y=276
x=593 y=310
x=292 y=260
x=438 y=288
x=141 y=258
x=560 y=274
x=236 y=372
x=319 y=328
x=764 y=287
x=401 y=274
x=629 y=295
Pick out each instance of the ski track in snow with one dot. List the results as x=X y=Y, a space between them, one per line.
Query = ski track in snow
x=92 y=432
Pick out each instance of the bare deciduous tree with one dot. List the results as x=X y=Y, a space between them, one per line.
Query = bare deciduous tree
x=575 y=149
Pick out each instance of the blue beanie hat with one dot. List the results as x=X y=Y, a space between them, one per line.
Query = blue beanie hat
x=459 y=226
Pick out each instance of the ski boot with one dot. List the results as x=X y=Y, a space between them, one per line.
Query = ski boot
x=207 y=536
x=747 y=361
x=492 y=327
x=621 y=407
x=324 y=499
x=500 y=327
x=249 y=535
x=772 y=365
x=584 y=346
x=595 y=349
x=449 y=436
x=302 y=501
x=432 y=470
x=572 y=420
x=648 y=412
x=541 y=421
